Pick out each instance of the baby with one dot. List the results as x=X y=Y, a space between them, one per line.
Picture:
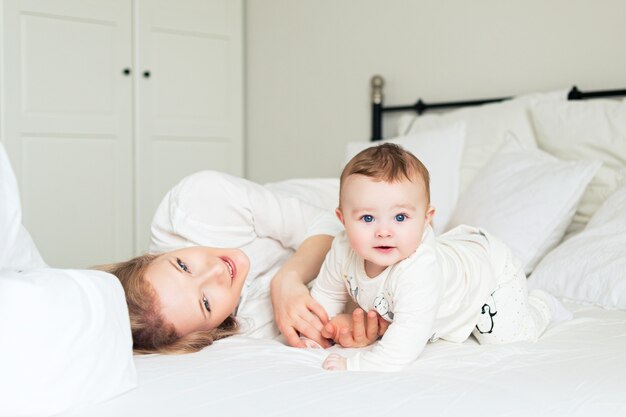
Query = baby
x=464 y=282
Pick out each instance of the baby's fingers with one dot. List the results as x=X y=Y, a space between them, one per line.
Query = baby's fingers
x=382 y=325
x=346 y=339
x=335 y=362
x=358 y=325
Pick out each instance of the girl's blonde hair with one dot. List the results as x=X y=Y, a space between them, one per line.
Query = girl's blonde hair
x=151 y=332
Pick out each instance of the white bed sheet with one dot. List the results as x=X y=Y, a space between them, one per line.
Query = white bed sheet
x=577 y=369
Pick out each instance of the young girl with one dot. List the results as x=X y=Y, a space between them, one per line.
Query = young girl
x=218 y=244
x=388 y=259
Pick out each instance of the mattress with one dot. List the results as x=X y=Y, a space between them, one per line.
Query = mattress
x=577 y=368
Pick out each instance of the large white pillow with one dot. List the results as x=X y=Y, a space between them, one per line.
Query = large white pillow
x=65 y=334
x=592 y=130
x=486 y=128
x=66 y=340
x=17 y=249
x=440 y=150
x=591 y=266
x=525 y=197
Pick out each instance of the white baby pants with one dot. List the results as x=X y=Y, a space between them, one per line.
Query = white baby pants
x=511 y=314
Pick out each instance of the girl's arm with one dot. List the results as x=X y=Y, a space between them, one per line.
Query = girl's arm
x=294 y=308
x=417 y=289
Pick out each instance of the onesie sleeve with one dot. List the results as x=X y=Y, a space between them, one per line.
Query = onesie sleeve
x=417 y=290
x=214 y=209
x=329 y=288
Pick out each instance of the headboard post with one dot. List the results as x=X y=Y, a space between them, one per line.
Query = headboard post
x=377 y=82
x=574 y=94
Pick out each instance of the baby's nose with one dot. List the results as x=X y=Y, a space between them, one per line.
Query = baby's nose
x=383 y=232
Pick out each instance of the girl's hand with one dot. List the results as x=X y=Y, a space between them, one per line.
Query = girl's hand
x=356 y=330
x=296 y=312
x=294 y=308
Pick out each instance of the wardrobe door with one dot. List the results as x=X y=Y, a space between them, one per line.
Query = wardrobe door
x=67 y=125
x=189 y=103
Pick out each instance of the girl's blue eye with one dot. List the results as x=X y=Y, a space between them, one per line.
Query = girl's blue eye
x=182 y=265
x=206 y=304
x=400 y=217
x=368 y=218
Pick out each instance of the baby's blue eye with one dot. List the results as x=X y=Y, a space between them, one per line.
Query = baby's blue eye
x=400 y=217
x=182 y=265
x=368 y=218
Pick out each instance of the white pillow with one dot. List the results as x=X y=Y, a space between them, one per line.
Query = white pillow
x=486 y=127
x=526 y=198
x=591 y=266
x=592 y=130
x=440 y=151
x=66 y=340
x=17 y=249
x=65 y=333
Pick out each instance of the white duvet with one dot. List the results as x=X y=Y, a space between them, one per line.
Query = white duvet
x=576 y=369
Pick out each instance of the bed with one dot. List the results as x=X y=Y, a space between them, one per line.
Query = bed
x=545 y=174
x=577 y=369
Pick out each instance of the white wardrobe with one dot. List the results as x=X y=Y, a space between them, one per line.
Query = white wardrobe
x=108 y=103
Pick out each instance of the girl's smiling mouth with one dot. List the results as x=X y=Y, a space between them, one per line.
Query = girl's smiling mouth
x=232 y=267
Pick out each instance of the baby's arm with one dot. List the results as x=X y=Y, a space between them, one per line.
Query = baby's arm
x=329 y=289
x=398 y=348
x=417 y=294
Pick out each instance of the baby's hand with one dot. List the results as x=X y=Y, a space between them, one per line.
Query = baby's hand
x=355 y=330
x=310 y=343
x=335 y=362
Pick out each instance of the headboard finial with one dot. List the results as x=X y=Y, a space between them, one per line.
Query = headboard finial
x=377 y=82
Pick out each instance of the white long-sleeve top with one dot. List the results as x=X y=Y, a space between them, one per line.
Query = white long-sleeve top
x=437 y=292
x=214 y=209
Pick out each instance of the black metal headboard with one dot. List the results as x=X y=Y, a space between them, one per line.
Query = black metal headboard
x=378 y=109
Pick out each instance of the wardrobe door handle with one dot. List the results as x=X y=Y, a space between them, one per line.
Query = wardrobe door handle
x=126 y=71
x=146 y=74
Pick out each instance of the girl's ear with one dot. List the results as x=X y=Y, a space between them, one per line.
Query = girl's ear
x=339 y=215
x=429 y=215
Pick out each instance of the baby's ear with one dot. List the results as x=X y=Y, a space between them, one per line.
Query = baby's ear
x=339 y=215
x=429 y=215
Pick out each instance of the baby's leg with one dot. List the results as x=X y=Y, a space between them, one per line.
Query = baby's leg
x=559 y=312
x=511 y=314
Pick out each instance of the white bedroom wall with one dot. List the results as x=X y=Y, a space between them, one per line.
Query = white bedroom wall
x=309 y=63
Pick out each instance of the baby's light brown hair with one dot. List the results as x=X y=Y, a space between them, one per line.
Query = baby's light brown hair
x=387 y=162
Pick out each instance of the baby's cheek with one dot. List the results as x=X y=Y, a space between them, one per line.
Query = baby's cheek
x=359 y=245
